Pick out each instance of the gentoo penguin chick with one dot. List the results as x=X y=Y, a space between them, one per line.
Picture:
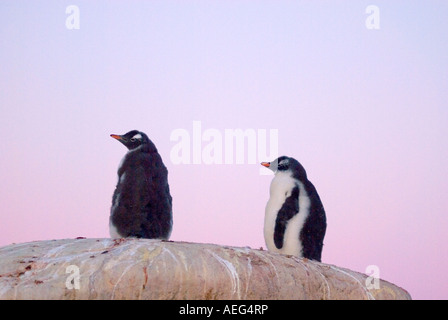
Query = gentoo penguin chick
x=141 y=203
x=295 y=221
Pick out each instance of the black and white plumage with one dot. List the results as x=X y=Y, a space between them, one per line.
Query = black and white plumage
x=141 y=203
x=295 y=221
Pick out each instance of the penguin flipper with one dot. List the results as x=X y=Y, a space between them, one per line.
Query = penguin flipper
x=313 y=232
x=288 y=210
x=137 y=196
x=156 y=210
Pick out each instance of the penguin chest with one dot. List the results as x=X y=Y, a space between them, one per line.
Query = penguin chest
x=281 y=189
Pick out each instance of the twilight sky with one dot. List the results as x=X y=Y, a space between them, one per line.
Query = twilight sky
x=363 y=109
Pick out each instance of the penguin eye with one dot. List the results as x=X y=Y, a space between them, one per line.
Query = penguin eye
x=136 y=137
x=283 y=165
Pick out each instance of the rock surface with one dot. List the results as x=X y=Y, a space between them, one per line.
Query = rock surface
x=153 y=269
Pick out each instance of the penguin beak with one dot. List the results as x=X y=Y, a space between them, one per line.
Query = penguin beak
x=116 y=136
x=266 y=164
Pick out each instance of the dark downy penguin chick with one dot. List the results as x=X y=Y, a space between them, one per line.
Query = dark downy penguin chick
x=295 y=221
x=141 y=203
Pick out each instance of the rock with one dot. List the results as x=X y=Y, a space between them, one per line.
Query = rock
x=154 y=269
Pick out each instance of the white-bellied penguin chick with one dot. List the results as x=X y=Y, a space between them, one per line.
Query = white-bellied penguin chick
x=295 y=221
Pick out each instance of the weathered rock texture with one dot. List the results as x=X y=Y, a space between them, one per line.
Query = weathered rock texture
x=153 y=269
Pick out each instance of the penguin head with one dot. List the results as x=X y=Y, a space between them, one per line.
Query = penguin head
x=287 y=165
x=133 y=139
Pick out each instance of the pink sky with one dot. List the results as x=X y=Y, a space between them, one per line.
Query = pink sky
x=365 y=111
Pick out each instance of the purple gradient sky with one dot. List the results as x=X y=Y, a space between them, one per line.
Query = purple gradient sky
x=365 y=111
